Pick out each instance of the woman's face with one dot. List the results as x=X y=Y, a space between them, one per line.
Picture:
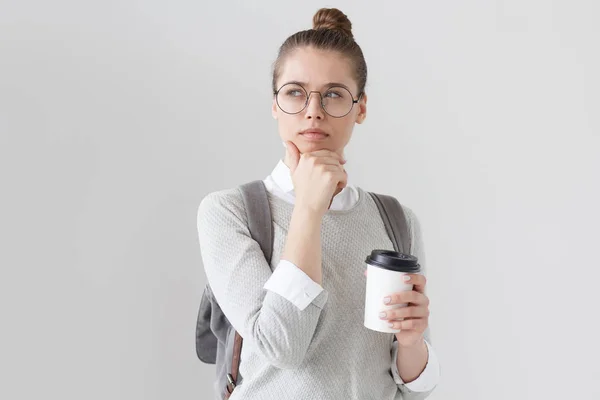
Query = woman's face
x=317 y=69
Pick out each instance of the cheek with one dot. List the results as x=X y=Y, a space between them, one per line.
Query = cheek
x=344 y=128
x=287 y=125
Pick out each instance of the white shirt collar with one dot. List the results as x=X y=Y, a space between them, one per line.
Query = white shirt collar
x=282 y=175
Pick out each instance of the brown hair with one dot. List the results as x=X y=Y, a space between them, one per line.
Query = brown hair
x=332 y=30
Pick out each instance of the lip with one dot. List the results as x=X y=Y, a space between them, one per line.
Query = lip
x=314 y=134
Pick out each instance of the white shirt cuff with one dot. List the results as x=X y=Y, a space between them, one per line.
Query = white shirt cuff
x=293 y=284
x=428 y=379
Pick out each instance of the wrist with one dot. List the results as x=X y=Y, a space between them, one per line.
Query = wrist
x=305 y=212
x=412 y=360
x=418 y=345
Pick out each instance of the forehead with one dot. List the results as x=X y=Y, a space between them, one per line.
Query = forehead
x=317 y=68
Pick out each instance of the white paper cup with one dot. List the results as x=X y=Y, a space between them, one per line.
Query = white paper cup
x=385 y=269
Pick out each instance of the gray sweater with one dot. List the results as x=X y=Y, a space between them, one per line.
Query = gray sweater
x=323 y=351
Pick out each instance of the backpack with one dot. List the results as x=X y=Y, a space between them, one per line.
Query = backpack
x=217 y=342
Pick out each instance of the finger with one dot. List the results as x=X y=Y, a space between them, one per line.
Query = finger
x=294 y=154
x=340 y=176
x=337 y=169
x=340 y=186
x=409 y=324
x=327 y=153
x=405 y=312
x=418 y=281
x=409 y=296
x=344 y=181
x=326 y=161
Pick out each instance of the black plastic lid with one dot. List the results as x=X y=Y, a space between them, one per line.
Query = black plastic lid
x=394 y=261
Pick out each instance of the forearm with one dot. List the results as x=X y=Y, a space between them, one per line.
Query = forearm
x=411 y=361
x=303 y=242
x=274 y=326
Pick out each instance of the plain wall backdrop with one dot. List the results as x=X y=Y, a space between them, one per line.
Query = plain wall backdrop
x=118 y=117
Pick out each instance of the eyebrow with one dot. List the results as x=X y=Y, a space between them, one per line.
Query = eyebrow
x=330 y=84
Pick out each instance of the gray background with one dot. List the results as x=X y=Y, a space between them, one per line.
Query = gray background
x=117 y=117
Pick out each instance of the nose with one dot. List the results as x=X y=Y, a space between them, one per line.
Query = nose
x=314 y=108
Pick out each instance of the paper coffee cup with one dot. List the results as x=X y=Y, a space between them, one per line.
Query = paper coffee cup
x=385 y=269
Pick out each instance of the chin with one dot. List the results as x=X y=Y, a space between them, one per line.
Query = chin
x=314 y=146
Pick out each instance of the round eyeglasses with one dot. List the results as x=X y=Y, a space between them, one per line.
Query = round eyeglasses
x=337 y=101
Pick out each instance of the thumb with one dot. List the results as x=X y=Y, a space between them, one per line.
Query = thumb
x=293 y=153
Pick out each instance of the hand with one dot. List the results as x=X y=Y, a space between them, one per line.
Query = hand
x=318 y=176
x=412 y=319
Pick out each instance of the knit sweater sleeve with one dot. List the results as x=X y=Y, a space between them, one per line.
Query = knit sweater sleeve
x=237 y=270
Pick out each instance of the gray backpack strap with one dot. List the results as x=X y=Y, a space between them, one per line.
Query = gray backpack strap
x=206 y=339
x=394 y=220
x=258 y=211
x=396 y=226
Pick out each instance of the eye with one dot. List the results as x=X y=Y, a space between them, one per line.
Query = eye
x=333 y=94
x=294 y=93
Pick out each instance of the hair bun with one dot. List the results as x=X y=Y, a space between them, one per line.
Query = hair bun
x=334 y=19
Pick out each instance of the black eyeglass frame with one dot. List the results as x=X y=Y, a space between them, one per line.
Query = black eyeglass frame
x=354 y=101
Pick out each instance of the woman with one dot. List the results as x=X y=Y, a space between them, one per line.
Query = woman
x=302 y=316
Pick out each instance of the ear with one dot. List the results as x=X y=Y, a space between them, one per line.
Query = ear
x=362 y=109
x=274 y=108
